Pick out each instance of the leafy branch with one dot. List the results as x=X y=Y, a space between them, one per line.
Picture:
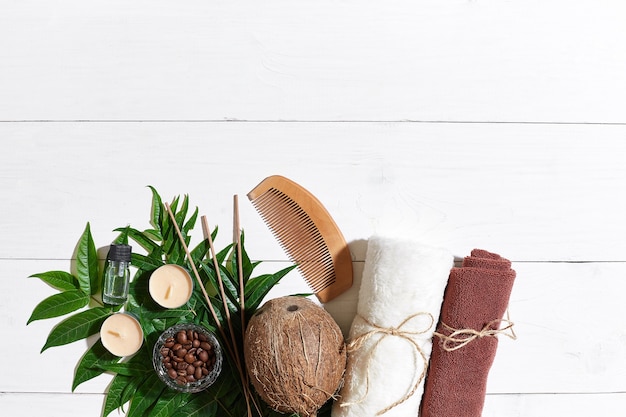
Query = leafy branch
x=134 y=382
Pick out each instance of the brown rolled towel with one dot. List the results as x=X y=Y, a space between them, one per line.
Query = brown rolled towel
x=475 y=299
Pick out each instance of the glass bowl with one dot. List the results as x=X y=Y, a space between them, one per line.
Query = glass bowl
x=187 y=358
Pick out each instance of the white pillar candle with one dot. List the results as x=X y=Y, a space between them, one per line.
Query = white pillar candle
x=170 y=286
x=121 y=334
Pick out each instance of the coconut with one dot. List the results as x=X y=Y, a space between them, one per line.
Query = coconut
x=295 y=355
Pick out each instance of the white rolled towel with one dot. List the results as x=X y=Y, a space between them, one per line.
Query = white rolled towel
x=390 y=338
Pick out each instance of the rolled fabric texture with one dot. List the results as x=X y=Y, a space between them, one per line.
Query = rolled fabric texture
x=465 y=343
x=391 y=336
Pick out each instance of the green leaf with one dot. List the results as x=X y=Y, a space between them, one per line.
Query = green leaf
x=177 y=313
x=247 y=265
x=182 y=213
x=143 y=240
x=59 y=305
x=199 y=252
x=258 y=287
x=131 y=389
x=146 y=395
x=201 y=405
x=173 y=207
x=122 y=239
x=79 y=326
x=133 y=368
x=117 y=387
x=90 y=366
x=60 y=280
x=221 y=255
x=191 y=222
x=87 y=264
x=153 y=234
x=169 y=402
x=230 y=290
x=145 y=263
x=156 y=214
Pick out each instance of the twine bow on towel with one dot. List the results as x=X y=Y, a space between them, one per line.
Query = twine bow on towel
x=461 y=337
x=357 y=343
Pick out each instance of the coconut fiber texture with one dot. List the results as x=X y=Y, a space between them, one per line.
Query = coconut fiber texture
x=391 y=336
x=295 y=355
x=476 y=298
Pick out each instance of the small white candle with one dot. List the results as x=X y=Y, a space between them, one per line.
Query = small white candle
x=170 y=286
x=121 y=334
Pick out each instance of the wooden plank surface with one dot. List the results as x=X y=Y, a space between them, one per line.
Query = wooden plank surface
x=456 y=60
x=534 y=192
x=462 y=124
x=512 y=405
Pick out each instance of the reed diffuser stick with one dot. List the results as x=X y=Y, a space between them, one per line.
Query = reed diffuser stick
x=242 y=374
x=195 y=271
x=232 y=349
x=207 y=235
x=237 y=240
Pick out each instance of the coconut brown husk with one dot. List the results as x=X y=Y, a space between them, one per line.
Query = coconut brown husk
x=295 y=355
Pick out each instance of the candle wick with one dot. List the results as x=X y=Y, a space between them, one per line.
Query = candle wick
x=116 y=334
x=169 y=290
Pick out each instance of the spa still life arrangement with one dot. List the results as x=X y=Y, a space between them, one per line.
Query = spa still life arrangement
x=142 y=335
x=191 y=333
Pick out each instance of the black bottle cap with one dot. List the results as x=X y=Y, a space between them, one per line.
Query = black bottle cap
x=120 y=253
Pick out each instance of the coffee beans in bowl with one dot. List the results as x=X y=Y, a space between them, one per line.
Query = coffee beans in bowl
x=187 y=358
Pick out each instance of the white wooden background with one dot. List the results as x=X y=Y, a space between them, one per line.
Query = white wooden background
x=488 y=123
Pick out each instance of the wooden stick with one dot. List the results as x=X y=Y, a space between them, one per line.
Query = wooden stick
x=237 y=240
x=232 y=349
x=207 y=235
x=195 y=271
x=242 y=374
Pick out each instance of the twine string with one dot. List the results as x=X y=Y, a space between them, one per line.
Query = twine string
x=458 y=338
x=407 y=335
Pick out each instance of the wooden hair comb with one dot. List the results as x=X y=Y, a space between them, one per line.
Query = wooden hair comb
x=308 y=234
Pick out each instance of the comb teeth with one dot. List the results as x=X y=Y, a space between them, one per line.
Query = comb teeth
x=299 y=237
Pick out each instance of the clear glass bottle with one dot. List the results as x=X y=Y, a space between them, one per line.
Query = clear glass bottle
x=117 y=275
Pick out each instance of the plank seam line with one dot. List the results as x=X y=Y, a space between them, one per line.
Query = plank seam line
x=330 y=121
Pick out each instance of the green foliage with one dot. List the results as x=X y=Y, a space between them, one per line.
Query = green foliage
x=135 y=386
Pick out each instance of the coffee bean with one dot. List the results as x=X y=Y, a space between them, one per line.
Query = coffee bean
x=188 y=356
